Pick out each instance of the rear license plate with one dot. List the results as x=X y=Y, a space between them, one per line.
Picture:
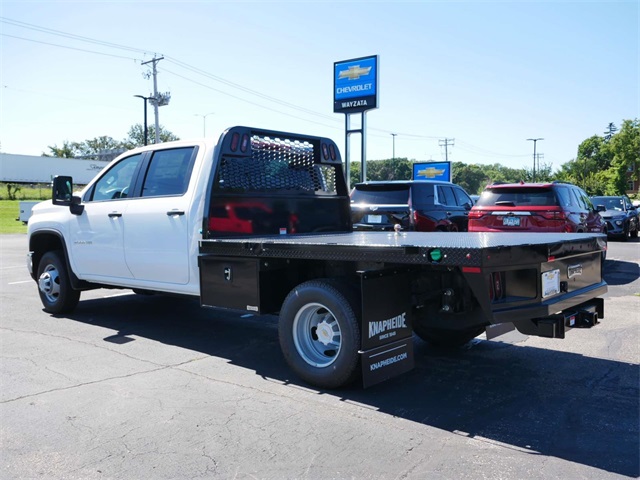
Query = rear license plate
x=374 y=218
x=511 y=221
x=550 y=283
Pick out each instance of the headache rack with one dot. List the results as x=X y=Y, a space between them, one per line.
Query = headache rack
x=262 y=161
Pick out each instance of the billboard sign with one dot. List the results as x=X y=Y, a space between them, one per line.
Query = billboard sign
x=432 y=171
x=355 y=85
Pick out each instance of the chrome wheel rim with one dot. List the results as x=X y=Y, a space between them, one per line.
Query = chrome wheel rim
x=49 y=283
x=317 y=335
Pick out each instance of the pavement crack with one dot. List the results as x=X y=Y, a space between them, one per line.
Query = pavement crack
x=83 y=384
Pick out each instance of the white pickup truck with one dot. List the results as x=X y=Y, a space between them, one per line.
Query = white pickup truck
x=260 y=222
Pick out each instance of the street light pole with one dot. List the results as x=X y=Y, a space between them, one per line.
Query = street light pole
x=394 y=144
x=534 y=140
x=204 y=121
x=146 y=134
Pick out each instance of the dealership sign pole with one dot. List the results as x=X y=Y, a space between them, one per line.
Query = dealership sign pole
x=355 y=90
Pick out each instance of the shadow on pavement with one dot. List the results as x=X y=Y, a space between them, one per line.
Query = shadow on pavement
x=545 y=402
x=618 y=272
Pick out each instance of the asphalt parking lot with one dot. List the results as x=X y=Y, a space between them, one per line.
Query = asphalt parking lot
x=132 y=386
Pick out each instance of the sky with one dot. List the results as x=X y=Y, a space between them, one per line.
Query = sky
x=486 y=76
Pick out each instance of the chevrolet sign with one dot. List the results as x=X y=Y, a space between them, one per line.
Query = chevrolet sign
x=355 y=85
x=432 y=171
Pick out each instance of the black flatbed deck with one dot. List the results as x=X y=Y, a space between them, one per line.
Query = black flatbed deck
x=459 y=249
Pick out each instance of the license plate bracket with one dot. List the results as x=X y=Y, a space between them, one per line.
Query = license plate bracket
x=511 y=221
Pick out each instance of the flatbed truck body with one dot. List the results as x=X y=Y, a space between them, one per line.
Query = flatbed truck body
x=260 y=222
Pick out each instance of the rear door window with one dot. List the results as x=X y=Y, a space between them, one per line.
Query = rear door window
x=461 y=197
x=579 y=199
x=446 y=196
x=169 y=172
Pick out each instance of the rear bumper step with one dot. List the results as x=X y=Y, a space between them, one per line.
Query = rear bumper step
x=585 y=315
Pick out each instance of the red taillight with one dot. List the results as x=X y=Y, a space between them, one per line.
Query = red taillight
x=497 y=286
x=235 y=139
x=476 y=215
x=422 y=223
x=553 y=215
x=325 y=151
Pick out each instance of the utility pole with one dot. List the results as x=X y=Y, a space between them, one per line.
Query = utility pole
x=538 y=157
x=534 y=140
x=394 y=144
x=155 y=60
x=445 y=143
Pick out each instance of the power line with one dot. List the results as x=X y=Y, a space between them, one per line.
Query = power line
x=50 y=31
x=70 y=48
x=216 y=78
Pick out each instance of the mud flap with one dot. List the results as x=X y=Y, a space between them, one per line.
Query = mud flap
x=387 y=334
x=382 y=363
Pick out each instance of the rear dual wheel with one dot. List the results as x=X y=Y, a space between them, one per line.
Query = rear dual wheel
x=319 y=333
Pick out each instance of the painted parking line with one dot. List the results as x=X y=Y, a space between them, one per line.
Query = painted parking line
x=23 y=281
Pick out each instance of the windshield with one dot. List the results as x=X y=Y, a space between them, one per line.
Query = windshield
x=610 y=203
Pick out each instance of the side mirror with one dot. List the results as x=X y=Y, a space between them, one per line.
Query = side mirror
x=62 y=190
x=601 y=208
x=62 y=194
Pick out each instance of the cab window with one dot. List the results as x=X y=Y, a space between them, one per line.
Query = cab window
x=117 y=181
x=169 y=172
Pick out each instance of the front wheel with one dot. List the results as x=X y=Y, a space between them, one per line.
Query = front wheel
x=54 y=286
x=320 y=335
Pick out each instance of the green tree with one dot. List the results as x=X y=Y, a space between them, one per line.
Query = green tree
x=68 y=150
x=105 y=147
x=604 y=165
x=624 y=147
x=472 y=178
x=135 y=136
x=100 y=148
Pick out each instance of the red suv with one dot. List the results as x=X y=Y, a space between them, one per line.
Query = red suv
x=535 y=207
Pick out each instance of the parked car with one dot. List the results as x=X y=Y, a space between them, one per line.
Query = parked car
x=620 y=214
x=422 y=205
x=535 y=207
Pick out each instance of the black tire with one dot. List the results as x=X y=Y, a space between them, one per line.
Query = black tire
x=320 y=335
x=442 y=338
x=634 y=233
x=626 y=234
x=54 y=286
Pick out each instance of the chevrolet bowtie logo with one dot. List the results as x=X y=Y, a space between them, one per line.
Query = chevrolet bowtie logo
x=430 y=172
x=354 y=72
